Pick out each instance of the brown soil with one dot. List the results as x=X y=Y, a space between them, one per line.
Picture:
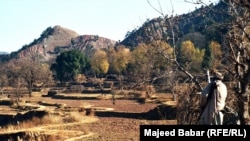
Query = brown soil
x=121 y=123
x=123 y=127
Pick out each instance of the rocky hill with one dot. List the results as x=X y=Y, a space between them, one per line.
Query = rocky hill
x=50 y=39
x=57 y=39
x=204 y=20
x=87 y=43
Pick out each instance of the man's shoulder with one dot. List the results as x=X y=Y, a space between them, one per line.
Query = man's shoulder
x=219 y=83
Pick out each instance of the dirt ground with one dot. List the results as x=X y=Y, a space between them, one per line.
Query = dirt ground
x=114 y=128
x=121 y=123
x=122 y=128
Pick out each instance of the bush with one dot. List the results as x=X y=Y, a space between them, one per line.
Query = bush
x=73 y=117
x=76 y=88
x=52 y=93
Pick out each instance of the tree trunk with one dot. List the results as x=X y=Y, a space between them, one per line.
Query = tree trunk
x=30 y=87
x=120 y=82
x=30 y=92
x=243 y=88
x=244 y=103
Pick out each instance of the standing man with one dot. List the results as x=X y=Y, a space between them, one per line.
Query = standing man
x=213 y=100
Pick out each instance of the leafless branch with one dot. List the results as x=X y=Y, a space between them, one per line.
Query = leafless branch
x=201 y=2
x=170 y=23
x=159 y=11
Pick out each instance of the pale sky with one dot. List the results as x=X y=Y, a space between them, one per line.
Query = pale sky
x=22 y=21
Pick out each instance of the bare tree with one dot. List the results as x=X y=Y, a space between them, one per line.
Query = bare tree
x=13 y=71
x=238 y=40
x=3 y=78
x=186 y=104
x=170 y=24
x=24 y=73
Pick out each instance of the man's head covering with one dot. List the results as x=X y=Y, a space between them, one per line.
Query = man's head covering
x=218 y=75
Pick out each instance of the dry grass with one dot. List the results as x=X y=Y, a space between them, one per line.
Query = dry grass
x=52 y=127
x=51 y=119
x=69 y=125
x=73 y=117
x=34 y=122
x=118 y=123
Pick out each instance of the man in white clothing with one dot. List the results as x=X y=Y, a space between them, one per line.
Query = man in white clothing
x=213 y=99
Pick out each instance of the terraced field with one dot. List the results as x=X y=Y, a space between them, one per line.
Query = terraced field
x=96 y=119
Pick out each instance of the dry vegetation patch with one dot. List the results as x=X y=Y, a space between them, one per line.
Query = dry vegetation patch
x=50 y=126
x=67 y=122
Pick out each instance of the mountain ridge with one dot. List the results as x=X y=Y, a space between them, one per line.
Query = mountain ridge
x=54 y=40
x=57 y=39
x=202 y=20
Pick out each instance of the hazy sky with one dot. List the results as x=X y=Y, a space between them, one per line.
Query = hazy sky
x=22 y=21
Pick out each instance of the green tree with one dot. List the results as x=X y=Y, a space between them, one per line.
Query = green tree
x=69 y=64
x=196 y=38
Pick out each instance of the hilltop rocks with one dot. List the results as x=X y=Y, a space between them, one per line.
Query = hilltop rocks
x=55 y=40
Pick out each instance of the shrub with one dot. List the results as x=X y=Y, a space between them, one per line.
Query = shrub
x=51 y=119
x=74 y=117
x=52 y=93
x=76 y=88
